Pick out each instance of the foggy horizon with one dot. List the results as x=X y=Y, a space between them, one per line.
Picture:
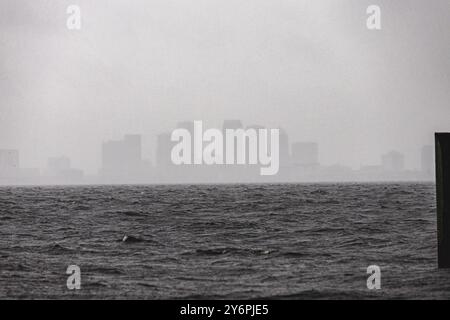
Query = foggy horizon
x=312 y=69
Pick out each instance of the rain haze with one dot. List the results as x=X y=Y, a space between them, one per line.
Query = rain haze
x=224 y=149
x=310 y=67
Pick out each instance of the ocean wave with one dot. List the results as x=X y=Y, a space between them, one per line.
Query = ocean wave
x=228 y=250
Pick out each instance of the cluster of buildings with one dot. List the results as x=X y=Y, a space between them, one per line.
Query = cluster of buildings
x=122 y=162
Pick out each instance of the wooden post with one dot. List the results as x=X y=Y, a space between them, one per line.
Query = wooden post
x=442 y=145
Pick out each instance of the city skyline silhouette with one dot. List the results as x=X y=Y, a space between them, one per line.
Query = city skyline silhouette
x=122 y=161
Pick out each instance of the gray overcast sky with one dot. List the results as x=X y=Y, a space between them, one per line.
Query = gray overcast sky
x=139 y=66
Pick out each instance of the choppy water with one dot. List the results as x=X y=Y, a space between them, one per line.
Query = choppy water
x=234 y=241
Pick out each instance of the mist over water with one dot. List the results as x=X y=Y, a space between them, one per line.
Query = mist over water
x=310 y=67
x=220 y=241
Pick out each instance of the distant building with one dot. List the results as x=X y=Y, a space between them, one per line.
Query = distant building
x=163 y=150
x=188 y=125
x=9 y=159
x=58 y=164
x=393 y=161
x=427 y=161
x=371 y=169
x=305 y=154
x=232 y=124
x=59 y=169
x=9 y=163
x=122 y=157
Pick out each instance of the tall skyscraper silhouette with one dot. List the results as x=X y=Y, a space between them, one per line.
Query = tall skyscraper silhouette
x=122 y=157
x=9 y=159
x=9 y=163
x=232 y=124
x=163 y=150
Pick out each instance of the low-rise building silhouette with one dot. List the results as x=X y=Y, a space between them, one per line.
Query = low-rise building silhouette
x=393 y=161
x=59 y=170
x=305 y=154
x=9 y=164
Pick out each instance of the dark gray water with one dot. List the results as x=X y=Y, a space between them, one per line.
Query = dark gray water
x=235 y=241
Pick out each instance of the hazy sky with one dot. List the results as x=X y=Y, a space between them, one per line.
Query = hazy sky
x=311 y=67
